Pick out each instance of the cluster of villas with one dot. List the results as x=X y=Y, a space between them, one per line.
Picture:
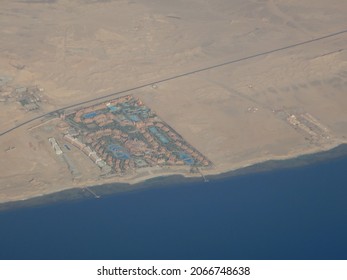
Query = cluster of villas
x=123 y=135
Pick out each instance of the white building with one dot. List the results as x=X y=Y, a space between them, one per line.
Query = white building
x=55 y=146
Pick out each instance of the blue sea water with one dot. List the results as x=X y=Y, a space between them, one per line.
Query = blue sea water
x=298 y=213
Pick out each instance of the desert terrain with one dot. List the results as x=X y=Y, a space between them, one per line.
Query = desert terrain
x=230 y=76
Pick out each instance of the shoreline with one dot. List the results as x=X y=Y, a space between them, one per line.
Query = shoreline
x=164 y=179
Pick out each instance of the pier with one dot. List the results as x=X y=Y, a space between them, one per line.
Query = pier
x=203 y=176
x=93 y=193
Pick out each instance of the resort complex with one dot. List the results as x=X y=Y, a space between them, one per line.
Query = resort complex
x=123 y=135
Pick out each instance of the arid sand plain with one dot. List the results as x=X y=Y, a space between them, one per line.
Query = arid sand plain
x=277 y=105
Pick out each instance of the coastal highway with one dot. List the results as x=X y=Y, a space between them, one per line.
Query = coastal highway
x=192 y=72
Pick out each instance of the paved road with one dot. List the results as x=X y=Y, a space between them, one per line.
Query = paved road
x=177 y=77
